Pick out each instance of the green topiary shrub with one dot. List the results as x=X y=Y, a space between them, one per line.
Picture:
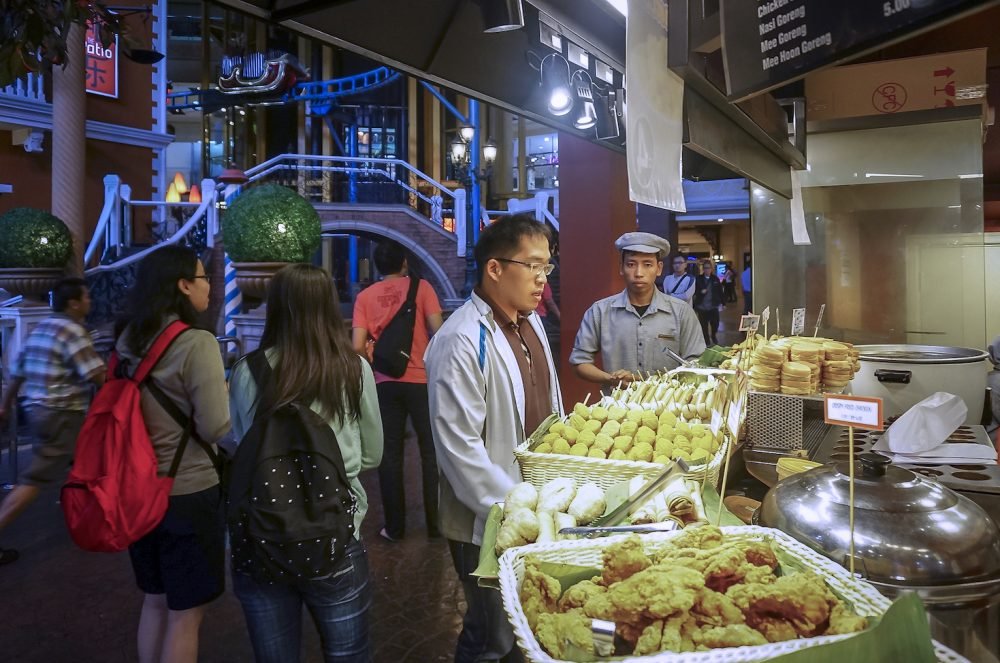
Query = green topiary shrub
x=33 y=238
x=271 y=223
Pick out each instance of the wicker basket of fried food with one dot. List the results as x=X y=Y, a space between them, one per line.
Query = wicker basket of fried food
x=703 y=594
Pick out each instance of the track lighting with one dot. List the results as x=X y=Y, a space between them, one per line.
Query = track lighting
x=557 y=81
x=502 y=15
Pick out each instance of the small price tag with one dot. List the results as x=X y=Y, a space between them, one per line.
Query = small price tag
x=853 y=411
x=798 y=321
x=765 y=315
x=733 y=420
x=716 y=422
x=749 y=323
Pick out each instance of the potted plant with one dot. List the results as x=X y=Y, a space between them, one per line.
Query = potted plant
x=34 y=252
x=267 y=227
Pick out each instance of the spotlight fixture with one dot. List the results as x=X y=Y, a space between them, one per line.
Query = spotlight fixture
x=558 y=83
x=502 y=15
x=607 y=115
x=587 y=117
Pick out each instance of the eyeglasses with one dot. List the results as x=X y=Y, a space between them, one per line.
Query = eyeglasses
x=202 y=276
x=537 y=268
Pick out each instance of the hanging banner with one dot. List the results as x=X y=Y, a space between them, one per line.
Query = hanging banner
x=769 y=43
x=101 y=64
x=654 y=120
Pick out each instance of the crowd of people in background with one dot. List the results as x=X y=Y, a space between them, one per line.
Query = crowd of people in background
x=472 y=387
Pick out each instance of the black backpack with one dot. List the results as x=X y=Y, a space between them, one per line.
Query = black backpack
x=392 y=349
x=289 y=508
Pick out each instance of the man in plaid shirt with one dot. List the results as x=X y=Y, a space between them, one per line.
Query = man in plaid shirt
x=56 y=369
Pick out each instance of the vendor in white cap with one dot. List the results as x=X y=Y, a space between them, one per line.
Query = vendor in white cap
x=633 y=329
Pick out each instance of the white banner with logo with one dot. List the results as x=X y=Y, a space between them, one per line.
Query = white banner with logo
x=655 y=110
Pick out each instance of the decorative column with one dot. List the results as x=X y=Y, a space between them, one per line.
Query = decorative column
x=69 y=143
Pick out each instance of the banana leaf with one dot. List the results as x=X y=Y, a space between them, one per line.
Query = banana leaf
x=488 y=571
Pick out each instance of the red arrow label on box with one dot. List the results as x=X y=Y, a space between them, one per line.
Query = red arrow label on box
x=947 y=71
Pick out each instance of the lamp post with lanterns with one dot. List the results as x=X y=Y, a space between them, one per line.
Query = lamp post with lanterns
x=464 y=156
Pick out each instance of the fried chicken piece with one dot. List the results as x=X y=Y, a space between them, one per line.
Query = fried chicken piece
x=678 y=634
x=775 y=629
x=557 y=632
x=715 y=609
x=539 y=593
x=801 y=599
x=656 y=592
x=762 y=575
x=703 y=537
x=622 y=560
x=649 y=640
x=578 y=595
x=842 y=621
x=631 y=632
x=760 y=553
x=733 y=635
x=726 y=568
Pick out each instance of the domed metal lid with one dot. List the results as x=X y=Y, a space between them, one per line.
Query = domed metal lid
x=907 y=529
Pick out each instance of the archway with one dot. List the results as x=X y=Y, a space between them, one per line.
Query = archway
x=427 y=265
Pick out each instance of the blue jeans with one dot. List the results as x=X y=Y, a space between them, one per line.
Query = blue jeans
x=486 y=634
x=338 y=605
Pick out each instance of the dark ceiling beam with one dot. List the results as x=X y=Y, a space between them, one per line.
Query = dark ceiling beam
x=306 y=7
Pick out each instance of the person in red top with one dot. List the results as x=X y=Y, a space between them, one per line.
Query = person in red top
x=400 y=397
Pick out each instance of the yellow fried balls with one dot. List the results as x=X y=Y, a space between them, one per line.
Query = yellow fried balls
x=544 y=448
x=579 y=449
x=617 y=413
x=650 y=420
x=577 y=422
x=611 y=428
x=622 y=443
x=603 y=442
x=641 y=451
x=646 y=435
x=596 y=453
x=557 y=428
x=560 y=446
x=570 y=434
x=635 y=416
x=599 y=413
x=593 y=425
x=628 y=428
x=617 y=454
x=586 y=437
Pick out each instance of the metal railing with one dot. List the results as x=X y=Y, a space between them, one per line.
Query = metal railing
x=307 y=173
x=30 y=86
x=114 y=228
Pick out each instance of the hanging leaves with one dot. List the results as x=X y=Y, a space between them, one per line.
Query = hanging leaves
x=33 y=32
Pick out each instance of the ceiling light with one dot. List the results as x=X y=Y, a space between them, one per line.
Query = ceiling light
x=558 y=83
x=502 y=15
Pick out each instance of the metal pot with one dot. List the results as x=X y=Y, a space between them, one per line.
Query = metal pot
x=910 y=533
x=904 y=375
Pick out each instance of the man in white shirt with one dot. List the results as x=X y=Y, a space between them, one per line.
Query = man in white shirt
x=679 y=284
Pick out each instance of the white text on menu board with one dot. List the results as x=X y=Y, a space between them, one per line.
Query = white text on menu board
x=792 y=39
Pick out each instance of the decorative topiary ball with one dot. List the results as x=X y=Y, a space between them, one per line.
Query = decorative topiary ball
x=33 y=238
x=271 y=223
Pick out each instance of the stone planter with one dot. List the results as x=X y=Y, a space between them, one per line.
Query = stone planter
x=30 y=282
x=252 y=279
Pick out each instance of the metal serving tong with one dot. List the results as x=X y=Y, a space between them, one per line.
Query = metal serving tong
x=611 y=522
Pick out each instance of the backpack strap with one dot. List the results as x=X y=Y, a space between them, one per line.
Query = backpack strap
x=411 y=293
x=187 y=425
x=157 y=350
x=260 y=370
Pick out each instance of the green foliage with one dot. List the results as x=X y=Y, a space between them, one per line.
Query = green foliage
x=271 y=223
x=33 y=32
x=33 y=238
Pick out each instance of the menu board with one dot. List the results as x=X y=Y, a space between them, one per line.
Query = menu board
x=768 y=43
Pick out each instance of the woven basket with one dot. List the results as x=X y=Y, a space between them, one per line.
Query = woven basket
x=865 y=599
x=538 y=469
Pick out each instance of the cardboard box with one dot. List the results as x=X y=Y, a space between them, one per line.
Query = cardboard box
x=897 y=86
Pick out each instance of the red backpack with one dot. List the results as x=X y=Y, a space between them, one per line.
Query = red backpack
x=113 y=495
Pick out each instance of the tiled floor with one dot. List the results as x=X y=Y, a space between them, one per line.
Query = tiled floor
x=58 y=603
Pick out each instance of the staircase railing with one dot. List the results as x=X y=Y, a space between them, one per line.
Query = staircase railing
x=114 y=226
x=421 y=191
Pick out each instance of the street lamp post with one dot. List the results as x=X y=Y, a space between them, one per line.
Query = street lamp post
x=463 y=157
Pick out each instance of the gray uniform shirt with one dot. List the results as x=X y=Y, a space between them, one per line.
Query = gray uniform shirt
x=626 y=340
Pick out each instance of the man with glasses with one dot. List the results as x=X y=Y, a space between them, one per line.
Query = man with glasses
x=634 y=329
x=680 y=283
x=491 y=381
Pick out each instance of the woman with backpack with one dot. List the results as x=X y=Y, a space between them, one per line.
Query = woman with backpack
x=180 y=565
x=310 y=374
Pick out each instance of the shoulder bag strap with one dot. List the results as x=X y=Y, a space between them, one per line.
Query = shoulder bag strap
x=411 y=295
x=673 y=291
x=187 y=425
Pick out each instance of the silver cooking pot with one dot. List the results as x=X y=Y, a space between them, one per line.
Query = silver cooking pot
x=910 y=534
x=904 y=375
